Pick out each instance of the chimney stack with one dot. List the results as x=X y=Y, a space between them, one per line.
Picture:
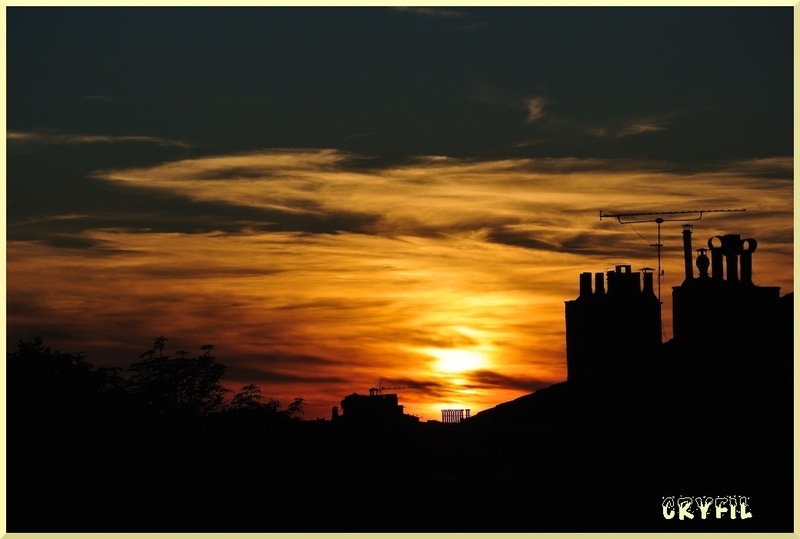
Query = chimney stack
x=716 y=257
x=732 y=248
x=599 y=284
x=585 y=285
x=748 y=248
x=687 y=252
x=702 y=263
x=647 y=288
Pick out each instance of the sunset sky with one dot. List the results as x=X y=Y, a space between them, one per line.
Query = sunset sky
x=335 y=196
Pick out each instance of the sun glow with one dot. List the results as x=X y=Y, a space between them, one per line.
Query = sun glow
x=457 y=360
x=415 y=288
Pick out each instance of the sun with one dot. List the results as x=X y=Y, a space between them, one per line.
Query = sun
x=457 y=359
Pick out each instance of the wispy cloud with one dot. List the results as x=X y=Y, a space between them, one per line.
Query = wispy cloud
x=439 y=195
x=639 y=128
x=535 y=108
x=482 y=91
x=546 y=206
x=635 y=127
x=57 y=138
x=445 y=272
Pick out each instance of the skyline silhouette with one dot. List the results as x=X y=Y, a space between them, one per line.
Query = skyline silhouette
x=224 y=225
x=698 y=415
x=328 y=213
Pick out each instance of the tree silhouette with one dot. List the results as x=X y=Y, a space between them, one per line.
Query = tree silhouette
x=182 y=387
x=249 y=401
x=50 y=385
x=249 y=398
x=297 y=406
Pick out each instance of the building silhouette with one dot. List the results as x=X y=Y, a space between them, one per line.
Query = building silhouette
x=721 y=319
x=723 y=306
x=373 y=409
x=732 y=343
x=609 y=328
x=455 y=415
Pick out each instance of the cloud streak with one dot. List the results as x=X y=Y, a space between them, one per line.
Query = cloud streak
x=415 y=204
x=56 y=138
x=450 y=274
x=535 y=108
x=634 y=128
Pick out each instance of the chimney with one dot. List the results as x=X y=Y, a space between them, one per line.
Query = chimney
x=702 y=263
x=626 y=281
x=687 y=252
x=647 y=289
x=716 y=258
x=611 y=277
x=748 y=248
x=599 y=284
x=585 y=285
x=732 y=248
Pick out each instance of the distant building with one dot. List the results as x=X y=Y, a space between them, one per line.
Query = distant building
x=455 y=416
x=373 y=409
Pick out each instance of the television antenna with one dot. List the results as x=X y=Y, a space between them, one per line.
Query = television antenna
x=380 y=387
x=632 y=218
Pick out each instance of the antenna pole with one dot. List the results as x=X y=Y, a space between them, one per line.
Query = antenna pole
x=658 y=245
x=658 y=220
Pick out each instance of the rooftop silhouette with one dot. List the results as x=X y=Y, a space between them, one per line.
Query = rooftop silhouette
x=638 y=426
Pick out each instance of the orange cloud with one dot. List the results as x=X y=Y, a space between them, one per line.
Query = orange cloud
x=56 y=137
x=455 y=284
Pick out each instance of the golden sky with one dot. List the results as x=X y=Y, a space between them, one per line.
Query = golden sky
x=446 y=274
x=335 y=196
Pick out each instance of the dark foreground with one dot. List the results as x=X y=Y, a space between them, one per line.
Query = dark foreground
x=597 y=464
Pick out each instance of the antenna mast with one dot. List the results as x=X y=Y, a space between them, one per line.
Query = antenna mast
x=658 y=220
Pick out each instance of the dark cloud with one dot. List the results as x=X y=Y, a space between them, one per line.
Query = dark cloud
x=520 y=238
x=589 y=243
x=778 y=236
x=333 y=304
x=46 y=186
x=267 y=369
x=777 y=168
x=235 y=173
x=66 y=241
x=721 y=76
x=580 y=95
x=451 y=339
x=185 y=217
x=54 y=137
x=485 y=378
